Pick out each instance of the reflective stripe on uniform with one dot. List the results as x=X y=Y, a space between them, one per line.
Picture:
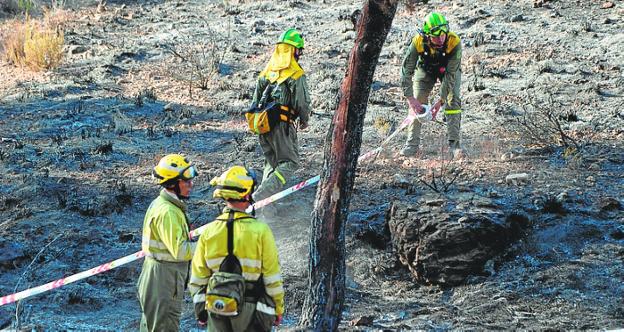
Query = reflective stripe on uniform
x=198 y=280
x=250 y=262
x=193 y=289
x=186 y=248
x=251 y=276
x=154 y=244
x=161 y=256
x=279 y=176
x=199 y=298
x=214 y=263
x=452 y=111
x=265 y=308
x=275 y=290
x=272 y=279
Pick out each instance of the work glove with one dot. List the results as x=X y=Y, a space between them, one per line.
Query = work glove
x=278 y=320
x=415 y=105
x=436 y=108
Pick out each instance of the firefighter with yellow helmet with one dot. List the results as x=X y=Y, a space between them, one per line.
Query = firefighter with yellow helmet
x=236 y=281
x=167 y=247
x=282 y=82
x=434 y=54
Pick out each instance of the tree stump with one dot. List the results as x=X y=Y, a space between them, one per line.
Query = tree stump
x=445 y=247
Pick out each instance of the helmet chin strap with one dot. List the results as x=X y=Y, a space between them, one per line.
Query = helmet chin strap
x=251 y=202
x=176 y=190
x=297 y=54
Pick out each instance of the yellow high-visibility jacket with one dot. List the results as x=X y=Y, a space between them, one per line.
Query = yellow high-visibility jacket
x=418 y=55
x=255 y=248
x=165 y=230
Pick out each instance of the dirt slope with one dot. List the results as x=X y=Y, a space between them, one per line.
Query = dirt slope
x=78 y=144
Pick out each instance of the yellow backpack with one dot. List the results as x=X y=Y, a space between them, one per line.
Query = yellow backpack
x=260 y=120
x=264 y=116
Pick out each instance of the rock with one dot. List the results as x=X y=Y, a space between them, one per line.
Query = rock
x=347 y=36
x=171 y=107
x=484 y=202
x=517 y=18
x=594 y=167
x=538 y=3
x=516 y=179
x=507 y=156
x=362 y=321
x=400 y=179
x=434 y=202
x=125 y=237
x=445 y=247
x=493 y=194
x=607 y=5
x=77 y=49
x=609 y=204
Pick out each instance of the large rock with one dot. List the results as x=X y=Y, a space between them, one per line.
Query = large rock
x=440 y=246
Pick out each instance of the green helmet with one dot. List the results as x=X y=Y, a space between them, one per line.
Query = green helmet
x=291 y=37
x=435 y=24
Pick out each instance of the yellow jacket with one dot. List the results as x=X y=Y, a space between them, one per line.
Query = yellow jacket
x=255 y=248
x=165 y=230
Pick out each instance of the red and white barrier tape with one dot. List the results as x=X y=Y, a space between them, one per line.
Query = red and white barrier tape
x=64 y=281
x=138 y=255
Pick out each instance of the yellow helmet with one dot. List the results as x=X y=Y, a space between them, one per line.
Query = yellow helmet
x=234 y=184
x=173 y=167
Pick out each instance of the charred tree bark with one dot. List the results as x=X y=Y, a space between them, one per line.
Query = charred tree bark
x=324 y=302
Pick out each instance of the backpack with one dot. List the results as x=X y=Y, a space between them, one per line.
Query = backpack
x=226 y=287
x=264 y=116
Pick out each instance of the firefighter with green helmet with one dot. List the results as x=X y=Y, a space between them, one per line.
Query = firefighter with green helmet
x=434 y=54
x=236 y=281
x=167 y=247
x=282 y=81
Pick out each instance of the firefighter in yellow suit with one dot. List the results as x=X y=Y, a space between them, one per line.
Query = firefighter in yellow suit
x=168 y=249
x=254 y=247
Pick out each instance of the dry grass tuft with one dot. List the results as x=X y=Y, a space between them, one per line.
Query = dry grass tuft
x=383 y=125
x=13 y=43
x=36 y=44
x=43 y=48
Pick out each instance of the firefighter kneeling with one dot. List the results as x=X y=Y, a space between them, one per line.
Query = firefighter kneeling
x=235 y=278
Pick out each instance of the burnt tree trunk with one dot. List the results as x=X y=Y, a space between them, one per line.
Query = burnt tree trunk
x=324 y=302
